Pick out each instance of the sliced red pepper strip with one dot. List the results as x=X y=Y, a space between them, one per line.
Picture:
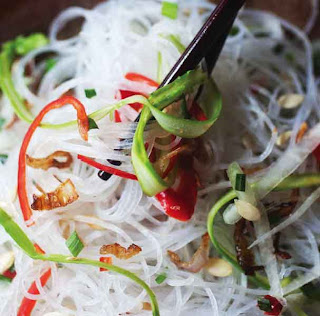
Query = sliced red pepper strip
x=105 y=260
x=9 y=274
x=196 y=112
x=126 y=94
x=316 y=153
x=117 y=117
x=116 y=172
x=83 y=124
x=27 y=305
x=275 y=306
x=39 y=249
x=180 y=203
x=133 y=76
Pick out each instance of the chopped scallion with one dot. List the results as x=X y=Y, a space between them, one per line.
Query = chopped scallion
x=2 y=121
x=92 y=124
x=264 y=304
x=234 y=31
x=74 y=244
x=90 y=93
x=240 y=182
x=5 y=279
x=50 y=63
x=170 y=9
x=161 y=278
x=3 y=158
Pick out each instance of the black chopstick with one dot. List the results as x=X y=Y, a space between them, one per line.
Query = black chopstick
x=207 y=44
x=210 y=38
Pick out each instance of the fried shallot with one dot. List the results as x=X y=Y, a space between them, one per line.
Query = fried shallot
x=51 y=161
x=63 y=195
x=245 y=256
x=120 y=252
x=198 y=260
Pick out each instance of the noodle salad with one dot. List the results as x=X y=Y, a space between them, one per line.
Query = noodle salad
x=205 y=205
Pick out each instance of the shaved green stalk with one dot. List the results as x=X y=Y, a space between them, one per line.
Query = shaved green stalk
x=18 y=235
x=175 y=41
x=20 y=46
x=299 y=181
x=291 y=182
x=150 y=181
x=231 y=195
x=99 y=114
x=7 y=86
x=188 y=128
x=159 y=69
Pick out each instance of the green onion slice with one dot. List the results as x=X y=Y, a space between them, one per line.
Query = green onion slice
x=22 y=240
x=3 y=158
x=161 y=278
x=150 y=181
x=92 y=124
x=240 y=182
x=170 y=9
x=2 y=122
x=248 y=195
x=74 y=244
x=264 y=304
x=50 y=63
x=90 y=93
x=187 y=128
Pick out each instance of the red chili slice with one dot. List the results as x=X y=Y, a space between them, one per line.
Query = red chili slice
x=180 y=203
x=27 y=305
x=105 y=260
x=132 y=76
x=196 y=112
x=83 y=124
x=9 y=274
x=126 y=94
x=316 y=153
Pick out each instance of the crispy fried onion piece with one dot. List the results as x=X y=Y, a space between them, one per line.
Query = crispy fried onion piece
x=120 y=252
x=63 y=195
x=245 y=256
x=198 y=260
x=52 y=161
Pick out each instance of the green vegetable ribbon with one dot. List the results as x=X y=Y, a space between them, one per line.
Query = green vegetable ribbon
x=22 y=240
x=291 y=182
x=20 y=46
x=150 y=181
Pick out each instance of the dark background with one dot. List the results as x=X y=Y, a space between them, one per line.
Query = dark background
x=25 y=16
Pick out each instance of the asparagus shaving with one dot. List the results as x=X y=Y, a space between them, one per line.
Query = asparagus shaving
x=22 y=240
